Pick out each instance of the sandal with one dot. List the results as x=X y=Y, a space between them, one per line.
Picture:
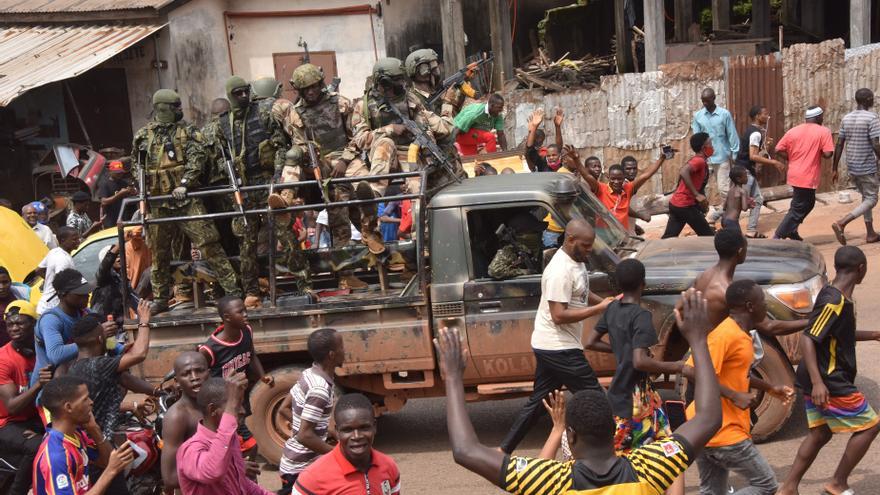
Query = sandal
x=756 y=235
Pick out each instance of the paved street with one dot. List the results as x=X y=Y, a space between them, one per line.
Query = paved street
x=416 y=437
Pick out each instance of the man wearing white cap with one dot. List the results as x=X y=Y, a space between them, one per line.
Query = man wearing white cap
x=803 y=146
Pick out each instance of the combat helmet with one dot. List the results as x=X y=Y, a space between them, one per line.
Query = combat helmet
x=306 y=75
x=266 y=87
x=418 y=57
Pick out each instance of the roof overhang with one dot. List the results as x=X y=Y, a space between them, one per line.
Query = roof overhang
x=33 y=56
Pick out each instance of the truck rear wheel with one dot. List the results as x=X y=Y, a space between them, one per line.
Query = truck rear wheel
x=269 y=428
x=772 y=413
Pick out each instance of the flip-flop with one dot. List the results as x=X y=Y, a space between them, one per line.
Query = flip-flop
x=756 y=235
x=838 y=232
x=848 y=491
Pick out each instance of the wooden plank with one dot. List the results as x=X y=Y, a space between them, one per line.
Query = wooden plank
x=452 y=29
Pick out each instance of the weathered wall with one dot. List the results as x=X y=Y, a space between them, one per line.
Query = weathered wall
x=197 y=56
x=862 y=66
x=358 y=40
x=813 y=74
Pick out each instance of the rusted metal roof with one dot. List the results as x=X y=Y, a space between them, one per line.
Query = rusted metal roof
x=49 y=6
x=32 y=56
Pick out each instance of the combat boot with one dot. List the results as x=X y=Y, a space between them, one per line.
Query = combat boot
x=253 y=302
x=157 y=307
x=349 y=281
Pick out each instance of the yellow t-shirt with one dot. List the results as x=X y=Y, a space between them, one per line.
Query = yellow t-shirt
x=732 y=355
x=552 y=226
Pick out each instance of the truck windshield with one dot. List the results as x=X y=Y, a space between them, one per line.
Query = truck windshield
x=586 y=206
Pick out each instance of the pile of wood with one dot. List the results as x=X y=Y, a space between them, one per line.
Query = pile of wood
x=563 y=74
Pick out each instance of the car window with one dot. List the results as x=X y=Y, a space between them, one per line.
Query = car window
x=487 y=228
x=86 y=259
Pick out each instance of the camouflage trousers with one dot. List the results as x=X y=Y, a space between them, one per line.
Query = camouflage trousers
x=203 y=236
x=248 y=235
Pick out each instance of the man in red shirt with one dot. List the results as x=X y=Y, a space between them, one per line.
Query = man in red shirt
x=688 y=203
x=20 y=429
x=804 y=146
x=617 y=194
x=353 y=466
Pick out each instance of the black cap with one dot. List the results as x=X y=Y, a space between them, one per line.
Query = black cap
x=81 y=286
x=80 y=196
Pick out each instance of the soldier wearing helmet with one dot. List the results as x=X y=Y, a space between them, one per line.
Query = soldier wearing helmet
x=325 y=118
x=423 y=69
x=256 y=144
x=379 y=129
x=173 y=154
x=265 y=88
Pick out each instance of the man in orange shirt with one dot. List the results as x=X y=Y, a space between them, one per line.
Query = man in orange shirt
x=618 y=192
x=730 y=346
x=804 y=147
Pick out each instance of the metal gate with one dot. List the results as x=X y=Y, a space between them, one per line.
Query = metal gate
x=757 y=80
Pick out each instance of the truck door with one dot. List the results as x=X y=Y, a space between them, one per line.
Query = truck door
x=500 y=314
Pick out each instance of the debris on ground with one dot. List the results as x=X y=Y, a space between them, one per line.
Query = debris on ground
x=565 y=73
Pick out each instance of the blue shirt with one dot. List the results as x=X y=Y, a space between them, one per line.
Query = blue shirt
x=53 y=339
x=61 y=463
x=720 y=128
x=389 y=229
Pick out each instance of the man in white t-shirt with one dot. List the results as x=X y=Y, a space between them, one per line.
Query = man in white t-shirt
x=324 y=223
x=29 y=213
x=556 y=339
x=56 y=259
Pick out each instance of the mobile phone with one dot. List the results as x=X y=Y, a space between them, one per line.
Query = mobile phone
x=119 y=438
x=668 y=152
x=675 y=413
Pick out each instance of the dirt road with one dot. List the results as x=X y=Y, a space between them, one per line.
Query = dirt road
x=416 y=437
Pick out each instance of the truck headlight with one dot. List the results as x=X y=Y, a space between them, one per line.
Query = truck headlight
x=800 y=296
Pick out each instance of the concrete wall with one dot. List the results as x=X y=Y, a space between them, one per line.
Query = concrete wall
x=357 y=40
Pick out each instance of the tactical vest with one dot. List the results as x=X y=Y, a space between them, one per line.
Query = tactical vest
x=258 y=156
x=380 y=118
x=327 y=122
x=165 y=160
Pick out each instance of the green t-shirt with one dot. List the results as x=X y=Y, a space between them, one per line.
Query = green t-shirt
x=476 y=116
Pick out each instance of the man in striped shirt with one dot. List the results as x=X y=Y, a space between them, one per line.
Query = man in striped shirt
x=311 y=403
x=648 y=470
x=860 y=136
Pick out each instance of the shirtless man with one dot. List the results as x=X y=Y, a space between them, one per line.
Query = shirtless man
x=731 y=247
x=182 y=418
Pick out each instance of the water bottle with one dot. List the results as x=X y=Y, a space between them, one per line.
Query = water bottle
x=111 y=341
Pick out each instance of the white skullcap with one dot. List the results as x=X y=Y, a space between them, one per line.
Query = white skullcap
x=812 y=113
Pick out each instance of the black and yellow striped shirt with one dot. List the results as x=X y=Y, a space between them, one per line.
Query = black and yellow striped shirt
x=646 y=471
x=833 y=329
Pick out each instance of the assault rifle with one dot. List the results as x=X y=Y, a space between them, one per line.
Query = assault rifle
x=234 y=180
x=505 y=233
x=315 y=162
x=436 y=157
x=142 y=185
x=305 y=46
x=461 y=76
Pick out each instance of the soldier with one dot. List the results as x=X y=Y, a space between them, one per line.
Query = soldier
x=215 y=175
x=266 y=88
x=379 y=129
x=256 y=144
x=423 y=69
x=324 y=118
x=522 y=237
x=173 y=154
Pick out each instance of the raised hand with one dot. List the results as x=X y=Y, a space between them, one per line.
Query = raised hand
x=453 y=357
x=558 y=118
x=555 y=406
x=692 y=319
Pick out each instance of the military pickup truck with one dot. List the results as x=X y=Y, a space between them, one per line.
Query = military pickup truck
x=388 y=332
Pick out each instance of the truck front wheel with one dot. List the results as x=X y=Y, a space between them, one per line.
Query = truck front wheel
x=772 y=413
x=270 y=429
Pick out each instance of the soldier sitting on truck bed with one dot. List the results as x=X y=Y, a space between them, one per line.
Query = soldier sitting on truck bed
x=521 y=253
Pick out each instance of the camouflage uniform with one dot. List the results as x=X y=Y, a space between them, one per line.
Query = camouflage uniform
x=258 y=147
x=508 y=262
x=175 y=156
x=386 y=150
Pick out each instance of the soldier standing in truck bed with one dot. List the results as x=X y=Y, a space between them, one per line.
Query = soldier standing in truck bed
x=173 y=154
x=423 y=69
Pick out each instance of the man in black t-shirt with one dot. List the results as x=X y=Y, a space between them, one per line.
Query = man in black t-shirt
x=752 y=145
x=112 y=191
x=827 y=376
x=638 y=414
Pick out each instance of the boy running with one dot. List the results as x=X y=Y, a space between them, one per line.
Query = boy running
x=230 y=350
x=637 y=409
x=827 y=377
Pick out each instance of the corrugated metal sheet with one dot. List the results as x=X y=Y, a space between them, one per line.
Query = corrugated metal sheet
x=636 y=117
x=47 y=6
x=757 y=80
x=862 y=71
x=814 y=74
x=31 y=56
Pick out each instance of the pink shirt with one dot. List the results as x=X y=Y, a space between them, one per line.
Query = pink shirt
x=210 y=463
x=804 y=145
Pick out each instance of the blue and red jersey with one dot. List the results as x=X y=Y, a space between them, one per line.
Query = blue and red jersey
x=61 y=464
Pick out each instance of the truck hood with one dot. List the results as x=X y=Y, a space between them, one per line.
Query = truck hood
x=672 y=264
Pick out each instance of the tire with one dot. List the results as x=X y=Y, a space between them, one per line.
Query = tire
x=265 y=422
x=772 y=413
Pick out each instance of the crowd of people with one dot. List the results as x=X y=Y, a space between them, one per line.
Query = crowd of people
x=65 y=367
